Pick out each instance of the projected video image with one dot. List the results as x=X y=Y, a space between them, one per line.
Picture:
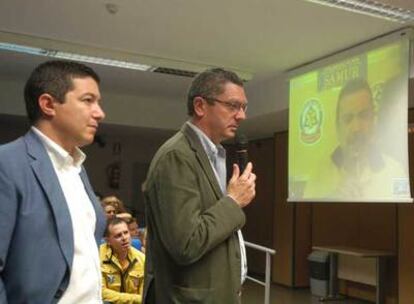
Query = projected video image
x=348 y=129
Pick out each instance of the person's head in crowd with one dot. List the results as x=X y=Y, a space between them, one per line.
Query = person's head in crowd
x=355 y=118
x=133 y=227
x=117 y=235
x=113 y=206
x=115 y=202
x=110 y=211
x=63 y=100
x=217 y=103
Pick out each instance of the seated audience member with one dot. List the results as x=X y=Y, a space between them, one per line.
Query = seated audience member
x=113 y=206
x=134 y=232
x=122 y=266
x=110 y=211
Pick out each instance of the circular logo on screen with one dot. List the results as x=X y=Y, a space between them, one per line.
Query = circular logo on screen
x=311 y=122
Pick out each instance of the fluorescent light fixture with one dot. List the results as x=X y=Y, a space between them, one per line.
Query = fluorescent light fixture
x=372 y=8
x=74 y=57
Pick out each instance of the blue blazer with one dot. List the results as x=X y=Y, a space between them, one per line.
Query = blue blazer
x=36 y=235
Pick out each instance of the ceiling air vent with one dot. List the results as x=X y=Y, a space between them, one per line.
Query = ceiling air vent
x=174 y=72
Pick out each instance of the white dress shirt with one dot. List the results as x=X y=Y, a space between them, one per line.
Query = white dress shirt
x=85 y=278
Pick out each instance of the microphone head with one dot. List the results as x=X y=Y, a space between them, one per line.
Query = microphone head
x=242 y=143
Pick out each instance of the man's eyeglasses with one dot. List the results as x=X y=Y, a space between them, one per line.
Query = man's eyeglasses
x=234 y=106
x=365 y=115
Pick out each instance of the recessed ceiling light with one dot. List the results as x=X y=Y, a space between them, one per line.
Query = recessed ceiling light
x=372 y=8
x=74 y=56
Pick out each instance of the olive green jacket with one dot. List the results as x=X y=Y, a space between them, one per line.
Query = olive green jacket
x=193 y=254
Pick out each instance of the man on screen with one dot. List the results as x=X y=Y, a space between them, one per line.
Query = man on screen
x=357 y=169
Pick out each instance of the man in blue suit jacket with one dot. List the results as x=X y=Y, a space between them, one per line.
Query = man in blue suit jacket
x=50 y=220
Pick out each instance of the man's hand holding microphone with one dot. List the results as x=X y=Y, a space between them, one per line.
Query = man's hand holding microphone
x=242 y=188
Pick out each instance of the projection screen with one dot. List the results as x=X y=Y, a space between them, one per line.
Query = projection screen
x=348 y=128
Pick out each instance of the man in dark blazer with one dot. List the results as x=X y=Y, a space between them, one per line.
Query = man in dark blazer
x=193 y=217
x=50 y=220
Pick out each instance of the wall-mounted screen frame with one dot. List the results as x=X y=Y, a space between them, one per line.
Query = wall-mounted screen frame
x=348 y=119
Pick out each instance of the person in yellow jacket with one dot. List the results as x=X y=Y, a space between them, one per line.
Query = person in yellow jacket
x=122 y=266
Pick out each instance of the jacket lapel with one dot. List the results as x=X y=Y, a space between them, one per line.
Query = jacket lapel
x=202 y=158
x=48 y=180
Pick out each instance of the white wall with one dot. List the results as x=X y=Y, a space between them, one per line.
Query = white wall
x=267 y=94
x=140 y=111
x=11 y=97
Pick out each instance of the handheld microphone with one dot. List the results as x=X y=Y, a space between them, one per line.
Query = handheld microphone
x=242 y=157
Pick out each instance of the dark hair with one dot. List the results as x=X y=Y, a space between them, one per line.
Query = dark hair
x=352 y=86
x=112 y=222
x=54 y=78
x=209 y=84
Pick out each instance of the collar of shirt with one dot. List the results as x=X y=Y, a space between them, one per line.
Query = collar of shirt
x=110 y=256
x=211 y=149
x=61 y=159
